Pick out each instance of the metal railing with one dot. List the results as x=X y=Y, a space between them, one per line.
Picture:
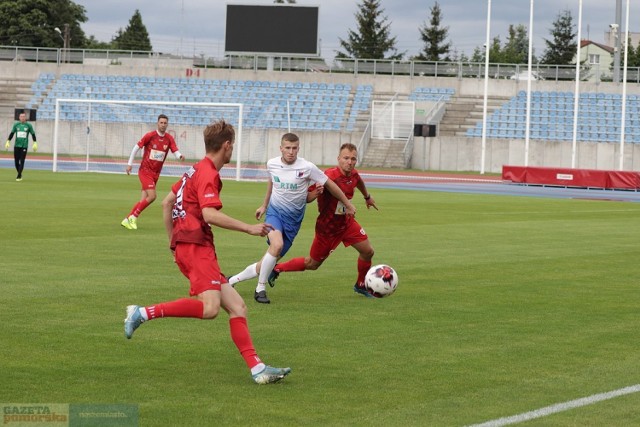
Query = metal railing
x=407 y=151
x=320 y=65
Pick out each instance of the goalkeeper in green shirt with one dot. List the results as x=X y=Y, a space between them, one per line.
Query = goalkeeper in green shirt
x=21 y=130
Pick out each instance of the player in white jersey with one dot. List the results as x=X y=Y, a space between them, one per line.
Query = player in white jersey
x=284 y=204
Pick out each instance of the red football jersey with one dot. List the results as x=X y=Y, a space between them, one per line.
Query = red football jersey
x=155 y=152
x=332 y=218
x=197 y=189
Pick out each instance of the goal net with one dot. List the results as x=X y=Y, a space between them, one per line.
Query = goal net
x=98 y=136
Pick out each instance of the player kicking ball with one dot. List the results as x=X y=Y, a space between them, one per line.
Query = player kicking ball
x=333 y=226
x=284 y=207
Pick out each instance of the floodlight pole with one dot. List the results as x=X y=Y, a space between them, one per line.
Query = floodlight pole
x=530 y=75
x=615 y=30
x=486 y=90
x=64 y=43
x=576 y=95
x=624 y=88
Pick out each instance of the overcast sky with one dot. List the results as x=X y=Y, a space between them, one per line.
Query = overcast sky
x=198 y=26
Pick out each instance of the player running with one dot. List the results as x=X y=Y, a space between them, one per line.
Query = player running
x=285 y=204
x=156 y=145
x=189 y=211
x=333 y=226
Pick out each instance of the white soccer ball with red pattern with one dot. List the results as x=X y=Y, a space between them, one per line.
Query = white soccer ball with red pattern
x=381 y=280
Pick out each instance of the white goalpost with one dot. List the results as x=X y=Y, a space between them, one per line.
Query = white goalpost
x=98 y=135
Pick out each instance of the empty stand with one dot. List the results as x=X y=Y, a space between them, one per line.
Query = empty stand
x=268 y=104
x=552 y=115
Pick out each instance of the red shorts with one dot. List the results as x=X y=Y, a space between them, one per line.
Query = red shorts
x=148 y=180
x=324 y=244
x=200 y=265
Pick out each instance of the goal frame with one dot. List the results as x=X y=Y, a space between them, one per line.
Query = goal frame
x=239 y=127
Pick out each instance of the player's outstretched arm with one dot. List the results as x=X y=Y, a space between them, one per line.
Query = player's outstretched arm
x=338 y=194
x=368 y=199
x=9 y=138
x=263 y=208
x=313 y=193
x=214 y=217
x=134 y=151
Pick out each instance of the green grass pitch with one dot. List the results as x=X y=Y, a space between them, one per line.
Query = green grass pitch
x=505 y=305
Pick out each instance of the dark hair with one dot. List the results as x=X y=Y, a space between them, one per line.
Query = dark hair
x=163 y=116
x=216 y=134
x=290 y=137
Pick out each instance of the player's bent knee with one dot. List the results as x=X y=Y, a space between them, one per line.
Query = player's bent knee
x=210 y=312
x=240 y=312
x=311 y=263
x=276 y=247
x=237 y=310
x=209 y=315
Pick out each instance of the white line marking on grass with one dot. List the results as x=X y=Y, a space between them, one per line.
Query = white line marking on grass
x=559 y=407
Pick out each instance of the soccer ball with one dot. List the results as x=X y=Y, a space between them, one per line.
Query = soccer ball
x=381 y=280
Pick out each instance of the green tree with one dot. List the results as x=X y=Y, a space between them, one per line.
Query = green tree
x=516 y=49
x=478 y=54
x=633 y=56
x=93 y=43
x=434 y=37
x=32 y=22
x=496 y=52
x=562 y=48
x=372 y=40
x=134 y=37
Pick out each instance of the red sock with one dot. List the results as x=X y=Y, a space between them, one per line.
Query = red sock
x=184 y=307
x=242 y=339
x=363 y=267
x=294 y=264
x=133 y=210
x=142 y=205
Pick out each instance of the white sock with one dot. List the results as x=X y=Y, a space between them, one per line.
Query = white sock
x=268 y=262
x=258 y=368
x=246 y=274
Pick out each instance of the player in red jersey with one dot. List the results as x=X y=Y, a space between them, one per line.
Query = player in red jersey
x=189 y=211
x=333 y=226
x=156 y=144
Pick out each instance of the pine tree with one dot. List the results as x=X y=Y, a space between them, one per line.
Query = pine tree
x=372 y=40
x=434 y=36
x=134 y=37
x=496 y=53
x=633 y=56
x=516 y=50
x=562 y=49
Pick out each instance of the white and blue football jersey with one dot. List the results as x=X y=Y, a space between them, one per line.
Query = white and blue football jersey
x=290 y=186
